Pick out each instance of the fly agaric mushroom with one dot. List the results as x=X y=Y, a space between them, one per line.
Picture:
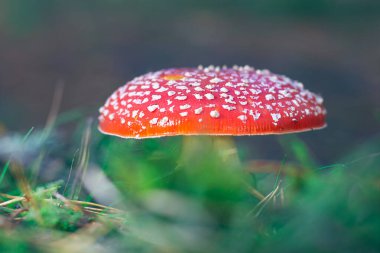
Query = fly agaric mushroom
x=211 y=101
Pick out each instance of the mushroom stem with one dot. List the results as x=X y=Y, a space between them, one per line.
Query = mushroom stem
x=222 y=146
x=226 y=148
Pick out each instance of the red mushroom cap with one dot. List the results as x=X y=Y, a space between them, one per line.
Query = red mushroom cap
x=211 y=101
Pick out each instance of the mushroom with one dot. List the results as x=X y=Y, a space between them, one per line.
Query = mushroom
x=211 y=101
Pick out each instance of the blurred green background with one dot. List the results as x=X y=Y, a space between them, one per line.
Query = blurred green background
x=317 y=191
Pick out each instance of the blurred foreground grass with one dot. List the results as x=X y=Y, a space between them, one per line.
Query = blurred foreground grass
x=182 y=194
